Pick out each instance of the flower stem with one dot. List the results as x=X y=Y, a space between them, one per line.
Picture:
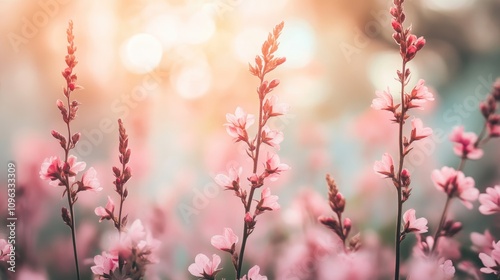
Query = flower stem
x=68 y=188
x=402 y=79
x=441 y=223
x=246 y=233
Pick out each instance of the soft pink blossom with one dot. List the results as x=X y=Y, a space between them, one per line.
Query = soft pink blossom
x=491 y=261
x=229 y=181
x=493 y=129
x=253 y=274
x=464 y=146
x=52 y=168
x=226 y=241
x=430 y=268
x=90 y=181
x=412 y=224
x=272 y=108
x=385 y=167
x=490 y=201
x=272 y=138
x=274 y=167
x=383 y=101
x=420 y=94
x=106 y=213
x=267 y=201
x=418 y=130
x=75 y=166
x=482 y=243
x=5 y=248
x=203 y=267
x=454 y=183
x=238 y=124
x=104 y=264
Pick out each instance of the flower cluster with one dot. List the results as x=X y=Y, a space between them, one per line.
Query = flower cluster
x=237 y=126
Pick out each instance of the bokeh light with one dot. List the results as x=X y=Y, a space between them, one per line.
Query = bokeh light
x=141 y=53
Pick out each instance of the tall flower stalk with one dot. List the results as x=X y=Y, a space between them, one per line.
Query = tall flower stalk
x=237 y=127
x=409 y=45
x=63 y=172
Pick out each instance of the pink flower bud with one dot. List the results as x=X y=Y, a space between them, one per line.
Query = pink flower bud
x=396 y=26
x=420 y=43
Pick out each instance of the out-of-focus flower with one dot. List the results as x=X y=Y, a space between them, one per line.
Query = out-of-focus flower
x=272 y=138
x=5 y=248
x=274 y=167
x=482 y=243
x=491 y=261
x=230 y=181
x=106 y=213
x=204 y=268
x=238 y=124
x=385 y=167
x=493 y=126
x=253 y=274
x=454 y=183
x=418 y=130
x=465 y=143
x=225 y=242
x=267 y=202
x=419 y=95
x=490 y=201
x=273 y=109
x=105 y=264
x=90 y=181
x=412 y=224
x=431 y=269
x=383 y=101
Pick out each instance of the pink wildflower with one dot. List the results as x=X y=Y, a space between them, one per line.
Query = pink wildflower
x=419 y=95
x=105 y=264
x=418 y=130
x=90 y=181
x=384 y=101
x=490 y=201
x=482 y=243
x=238 y=124
x=225 y=242
x=253 y=274
x=454 y=183
x=412 y=224
x=267 y=202
x=491 y=261
x=274 y=167
x=204 y=268
x=272 y=138
x=230 y=181
x=106 y=213
x=464 y=146
x=385 y=167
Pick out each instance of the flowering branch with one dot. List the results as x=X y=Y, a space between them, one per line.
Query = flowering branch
x=63 y=172
x=237 y=127
x=409 y=45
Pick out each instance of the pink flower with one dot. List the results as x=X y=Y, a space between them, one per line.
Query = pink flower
x=104 y=264
x=454 y=183
x=272 y=138
x=491 y=261
x=267 y=202
x=204 y=268
x=5 y=248
x=274 y=167
x=412 y=224
x=106 y=213
x=384 y=101
x=429 y=268
x=272 y=108
x=385 y=167
x=51 y=170
x=482 y=243
x=232 y=181
x=493 y=129
x=74 y=166
x=420 y=94
x=418 y=130
x=90 y=181
x=225 y=242
x=464 y=146
x=253 y=274
x=238 y=124
x=490 y=201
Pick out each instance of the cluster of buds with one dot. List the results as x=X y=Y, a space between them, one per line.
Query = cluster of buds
x=340 y=227
x=408 y=43
x=489 y=108
x=122 y=176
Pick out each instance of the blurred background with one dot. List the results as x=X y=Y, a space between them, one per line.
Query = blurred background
x=172 y=69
